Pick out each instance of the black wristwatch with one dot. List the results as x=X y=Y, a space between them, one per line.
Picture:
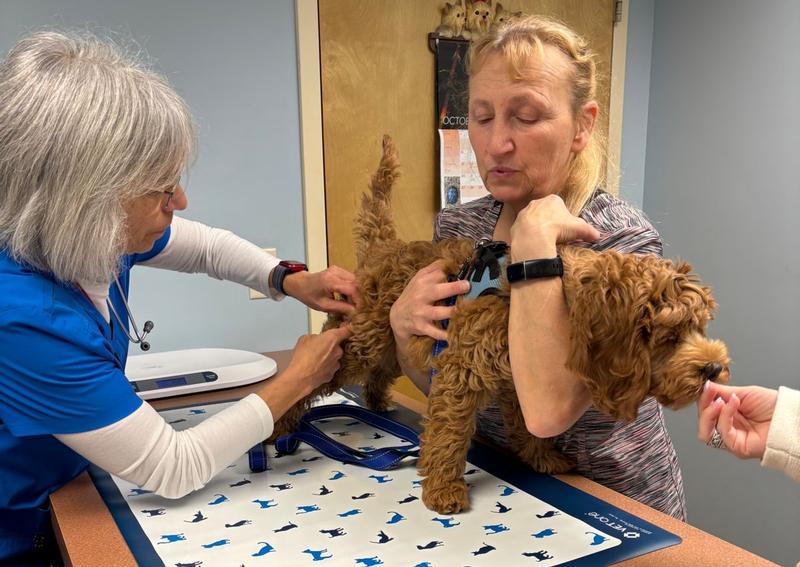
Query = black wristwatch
x=533 y=269
x=283 y=269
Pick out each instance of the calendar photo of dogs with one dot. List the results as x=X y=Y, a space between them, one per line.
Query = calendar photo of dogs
x=638 y=329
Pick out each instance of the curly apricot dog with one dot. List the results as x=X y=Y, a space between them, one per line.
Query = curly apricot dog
x=638 y=329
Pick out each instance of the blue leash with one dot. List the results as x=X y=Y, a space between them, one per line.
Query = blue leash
x=379 y=459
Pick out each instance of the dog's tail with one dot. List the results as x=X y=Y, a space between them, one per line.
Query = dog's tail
x=374 y=222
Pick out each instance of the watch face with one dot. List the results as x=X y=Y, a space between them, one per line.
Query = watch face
x=293 y=266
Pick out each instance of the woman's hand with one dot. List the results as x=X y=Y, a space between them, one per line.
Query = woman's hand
x=542 y=224
x=314 y=362
x=316 y=357
x=742 y=415
x=415 y=312
x=333 y=290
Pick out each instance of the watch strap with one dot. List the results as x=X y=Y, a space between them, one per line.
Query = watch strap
x=533 y=269
x=278 y=275
x=283 y=269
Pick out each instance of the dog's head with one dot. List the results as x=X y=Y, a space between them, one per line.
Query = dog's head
x=479 y=16
x=639 y=329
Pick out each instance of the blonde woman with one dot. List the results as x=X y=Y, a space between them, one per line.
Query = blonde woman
x=92 y=147
x=532 y=115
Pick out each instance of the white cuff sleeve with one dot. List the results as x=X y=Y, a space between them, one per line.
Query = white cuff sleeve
x=783 y=440
x=194 y=247
x=144 y=449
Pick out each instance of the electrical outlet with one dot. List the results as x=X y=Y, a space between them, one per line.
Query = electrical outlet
x=257 y=294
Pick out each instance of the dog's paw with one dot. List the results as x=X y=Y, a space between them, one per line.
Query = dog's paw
x=445 y=497
x=378 y=401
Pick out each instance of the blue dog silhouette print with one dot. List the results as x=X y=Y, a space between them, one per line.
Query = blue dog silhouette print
x=446 y=522
x=220 y=498
x=286 y=528
x=383 y=478
x=353 y=512
x=495 y=528
x=507 y=490
x=265 y=548
x=156 y=512
x=545 y=533
x=396 y=517
x=597 y=539
x=308 y=509
x=218 y=543
x=368 y=561
x=263 y=504
x=318 y=554
x=172 y=538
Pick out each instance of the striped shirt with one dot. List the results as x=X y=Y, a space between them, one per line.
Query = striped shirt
x=637 y=458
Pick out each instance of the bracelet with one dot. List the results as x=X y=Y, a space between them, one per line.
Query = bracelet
x=533 y=269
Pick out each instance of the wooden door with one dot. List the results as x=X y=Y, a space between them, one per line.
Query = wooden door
x=377 y=76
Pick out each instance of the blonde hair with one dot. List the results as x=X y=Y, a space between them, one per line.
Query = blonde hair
x=84 y=129
x=517 y=41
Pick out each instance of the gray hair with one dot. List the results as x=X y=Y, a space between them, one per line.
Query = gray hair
x=84 y=130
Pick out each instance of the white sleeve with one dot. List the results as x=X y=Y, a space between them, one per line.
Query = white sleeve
x=783 y=438
x=144 y=449
x=194 y=247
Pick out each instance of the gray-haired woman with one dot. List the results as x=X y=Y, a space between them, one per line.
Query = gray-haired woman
x=92 y=147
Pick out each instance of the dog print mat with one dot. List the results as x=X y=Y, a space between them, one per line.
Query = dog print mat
x=307 y=509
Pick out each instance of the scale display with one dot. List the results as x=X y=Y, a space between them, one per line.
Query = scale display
x=172 y=381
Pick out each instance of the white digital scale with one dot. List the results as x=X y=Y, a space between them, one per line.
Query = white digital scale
x=180 y=372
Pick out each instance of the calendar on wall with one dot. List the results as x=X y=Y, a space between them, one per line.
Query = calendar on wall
x=459 y=180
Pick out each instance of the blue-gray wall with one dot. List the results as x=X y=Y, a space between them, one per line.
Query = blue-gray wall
x=722 y=185
x=637 y=98
x=235 y=63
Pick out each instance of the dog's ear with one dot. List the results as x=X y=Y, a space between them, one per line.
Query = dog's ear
x=610 y=346
x=683 y=303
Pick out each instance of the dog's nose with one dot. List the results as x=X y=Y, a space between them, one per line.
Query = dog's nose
x=711 y=371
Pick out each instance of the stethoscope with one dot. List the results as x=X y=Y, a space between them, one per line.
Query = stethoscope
x=148 y=325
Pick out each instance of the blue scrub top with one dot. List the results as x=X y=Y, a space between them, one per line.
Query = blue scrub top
x=61 y=371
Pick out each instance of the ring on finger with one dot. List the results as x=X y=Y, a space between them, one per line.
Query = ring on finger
x=716 y=440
